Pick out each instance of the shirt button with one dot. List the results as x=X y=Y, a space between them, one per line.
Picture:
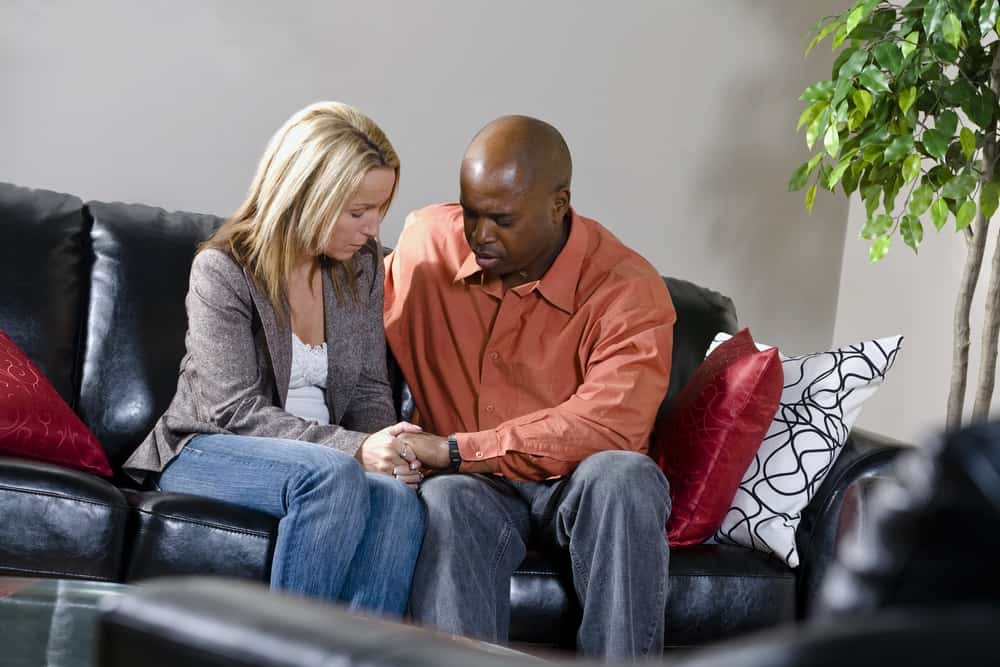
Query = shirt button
x=489 y=407
x=479 y=455
x=494 y=355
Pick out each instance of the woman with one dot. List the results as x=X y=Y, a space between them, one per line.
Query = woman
x=283 y=391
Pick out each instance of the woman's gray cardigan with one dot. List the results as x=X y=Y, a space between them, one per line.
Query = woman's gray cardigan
x=234 y=375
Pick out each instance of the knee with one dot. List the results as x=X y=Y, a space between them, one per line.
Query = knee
x=333 y=472
x=620 y=476
x=451 y=495
x=393 y=500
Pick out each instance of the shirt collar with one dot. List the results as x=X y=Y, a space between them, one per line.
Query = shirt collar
x=558 y=285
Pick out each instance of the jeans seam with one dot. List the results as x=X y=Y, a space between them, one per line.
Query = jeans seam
x=660 y=603
x=501 y=549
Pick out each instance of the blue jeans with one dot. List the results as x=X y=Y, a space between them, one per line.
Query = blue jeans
x=343 y=534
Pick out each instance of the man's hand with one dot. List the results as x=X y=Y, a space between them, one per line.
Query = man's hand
x=431 y=450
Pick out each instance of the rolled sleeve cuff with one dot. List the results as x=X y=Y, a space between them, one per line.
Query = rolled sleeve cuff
x=479 y=450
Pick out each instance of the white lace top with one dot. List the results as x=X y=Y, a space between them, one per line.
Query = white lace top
x=306 y=398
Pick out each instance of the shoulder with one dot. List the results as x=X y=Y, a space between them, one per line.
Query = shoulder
x=214 y=271
x=432 y=234
x=613 y=271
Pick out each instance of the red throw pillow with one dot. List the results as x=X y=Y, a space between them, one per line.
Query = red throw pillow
x=709 y=437
x=35 y=423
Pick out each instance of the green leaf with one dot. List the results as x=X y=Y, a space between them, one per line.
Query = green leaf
x=818 y=91
x=831 y=140
x=810 y=114
x=799 y=178
x=959 y=187
x=952 y=28
x=855 y=120
x=968 y=140
x=841 y=91
x=934 y=13
x=851 y=179
x=899 y=147
x=946 y=122
x=959 y=92
x=989 y=11
x=874 y=80
x=821 y=35
x=856 y=16
x=966 y=214
x=989 y=199
x=817 y=127
x=920 y=200
x=810 y=198
x=838 y=172
x=912 y=231
x=939 y=214
x=871 y=193
x=911 y=167
x=909 y=43
x=935 y=143
x=877 y=226
x=854 y=63
x=981 y=108
x=813 y=161
x=839 y=37
x=862 y=101
x=907 y=98
x=889 y=56
x=879 y=249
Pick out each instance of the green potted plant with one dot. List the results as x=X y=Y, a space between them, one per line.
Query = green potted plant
x=908 y=120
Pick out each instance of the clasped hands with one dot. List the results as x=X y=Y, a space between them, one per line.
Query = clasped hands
x=404 y=451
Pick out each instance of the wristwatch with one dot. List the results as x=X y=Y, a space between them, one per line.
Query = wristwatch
x=454 y=455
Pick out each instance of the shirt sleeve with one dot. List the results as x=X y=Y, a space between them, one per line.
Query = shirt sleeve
x=627 y=371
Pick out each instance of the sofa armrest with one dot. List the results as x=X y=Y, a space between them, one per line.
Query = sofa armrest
x=58 y=522
x=865 y=455
x=211 y=621
x=182 y=534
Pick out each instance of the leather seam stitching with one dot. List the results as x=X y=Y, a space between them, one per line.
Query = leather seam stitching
x=206 y=524
x=61 y=573
x=51 y=494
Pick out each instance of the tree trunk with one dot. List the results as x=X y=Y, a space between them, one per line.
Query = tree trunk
x=991 y=327
x=975 y=248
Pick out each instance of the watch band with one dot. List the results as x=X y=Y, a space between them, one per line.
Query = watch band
x=454 y=455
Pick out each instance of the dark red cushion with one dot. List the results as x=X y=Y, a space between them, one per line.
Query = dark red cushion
x=707 y=441
x=35 y=422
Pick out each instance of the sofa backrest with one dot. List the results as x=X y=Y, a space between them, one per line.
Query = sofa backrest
x=43 y=280
x=136 y=318
x=701 y=313
x=94 y=294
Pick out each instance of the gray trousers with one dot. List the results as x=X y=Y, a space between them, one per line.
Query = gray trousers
x=610 y=514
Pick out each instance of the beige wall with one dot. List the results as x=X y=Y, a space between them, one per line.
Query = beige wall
x=680 y=115
x=913 y=295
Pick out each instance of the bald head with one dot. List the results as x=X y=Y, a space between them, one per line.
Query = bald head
x=515 y=197
x=525 y=151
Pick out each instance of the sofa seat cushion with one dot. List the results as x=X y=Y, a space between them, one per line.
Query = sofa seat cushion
x=57 y=522
x=174 y=533
x=717 y=591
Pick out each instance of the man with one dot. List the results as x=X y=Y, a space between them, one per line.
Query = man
x=538 y=346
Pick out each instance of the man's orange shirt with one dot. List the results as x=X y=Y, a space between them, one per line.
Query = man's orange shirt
x=535 y=379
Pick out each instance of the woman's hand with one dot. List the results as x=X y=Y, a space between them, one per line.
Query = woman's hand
x=383 y=452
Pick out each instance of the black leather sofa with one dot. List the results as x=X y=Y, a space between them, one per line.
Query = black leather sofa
x=914 y=582
x=94 y=294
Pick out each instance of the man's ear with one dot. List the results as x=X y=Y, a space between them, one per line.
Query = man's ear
x=560 y=205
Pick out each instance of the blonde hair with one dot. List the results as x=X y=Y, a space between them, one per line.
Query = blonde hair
x=310 y=169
